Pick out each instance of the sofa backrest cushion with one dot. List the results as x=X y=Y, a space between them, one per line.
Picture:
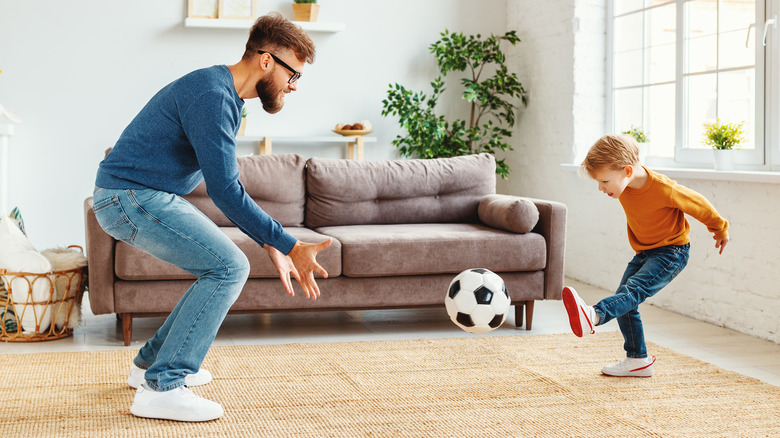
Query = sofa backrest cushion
x=277 y=183
x=347 y=192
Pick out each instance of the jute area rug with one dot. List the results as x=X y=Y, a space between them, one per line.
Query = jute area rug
x=513 y=386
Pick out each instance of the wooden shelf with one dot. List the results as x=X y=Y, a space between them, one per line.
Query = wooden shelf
x=313 y=139
x=355 y=144
x=238 y=23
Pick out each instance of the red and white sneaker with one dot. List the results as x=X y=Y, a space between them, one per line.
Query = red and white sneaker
x=582 y=317
x=630 y=367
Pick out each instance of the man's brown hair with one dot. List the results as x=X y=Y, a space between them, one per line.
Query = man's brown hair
x=274 y=33
x=612 y=151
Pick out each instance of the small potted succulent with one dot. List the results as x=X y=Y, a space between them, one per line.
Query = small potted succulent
x=723 y=138
x=642 y=140
x=305 y=10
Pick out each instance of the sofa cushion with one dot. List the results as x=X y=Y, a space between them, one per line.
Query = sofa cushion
x=420 y=249
x=277 y=183
x=508 y=213
x=134 y=264
x=347 y=192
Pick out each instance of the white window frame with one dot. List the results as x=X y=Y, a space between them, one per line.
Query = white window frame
x=772 y=85
x=766 y=154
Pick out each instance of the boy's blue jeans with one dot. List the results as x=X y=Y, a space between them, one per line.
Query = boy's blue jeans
x=646 y=274
x=171 y=229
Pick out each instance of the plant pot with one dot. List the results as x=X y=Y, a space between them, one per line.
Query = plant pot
x=305 y=11
x=242 y=126
x=643 y=147
x=724 y=159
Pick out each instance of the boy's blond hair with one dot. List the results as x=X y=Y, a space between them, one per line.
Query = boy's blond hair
x=612 y=151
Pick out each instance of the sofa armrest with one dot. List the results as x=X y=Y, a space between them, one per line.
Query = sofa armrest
x=100 y=262
x=552 y=225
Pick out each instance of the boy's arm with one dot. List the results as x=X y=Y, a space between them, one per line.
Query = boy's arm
x=697 y=206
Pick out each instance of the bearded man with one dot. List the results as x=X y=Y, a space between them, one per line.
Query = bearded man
x=183 y=136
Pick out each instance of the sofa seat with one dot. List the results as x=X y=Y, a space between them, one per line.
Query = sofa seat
x=425 y=249
x=338 y=293
x=133 y=264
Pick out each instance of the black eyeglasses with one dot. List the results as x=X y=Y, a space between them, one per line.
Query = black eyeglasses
x=295 y=74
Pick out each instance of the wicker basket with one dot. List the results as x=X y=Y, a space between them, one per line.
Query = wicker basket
x=43 y=306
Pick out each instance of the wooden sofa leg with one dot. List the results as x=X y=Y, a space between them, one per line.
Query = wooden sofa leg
x=127 y=327
x=524 y=310
x=519 y=307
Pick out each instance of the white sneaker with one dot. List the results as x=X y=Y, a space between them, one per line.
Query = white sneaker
x=581 y=316
x=630 y=367
x=136 y=377
x=179 y=404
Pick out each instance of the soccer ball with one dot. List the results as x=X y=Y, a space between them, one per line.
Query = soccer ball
x=477 y=301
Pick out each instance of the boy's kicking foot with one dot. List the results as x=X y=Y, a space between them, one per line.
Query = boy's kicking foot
x=582 y=317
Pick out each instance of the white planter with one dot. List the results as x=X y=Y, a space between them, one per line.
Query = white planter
x=724 y=159
x=242 y=126
x=643 y=147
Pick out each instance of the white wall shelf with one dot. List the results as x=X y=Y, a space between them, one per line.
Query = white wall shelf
x=237 y=23
x=355 y=144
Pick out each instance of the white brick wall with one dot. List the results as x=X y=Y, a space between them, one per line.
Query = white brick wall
x=561 y=62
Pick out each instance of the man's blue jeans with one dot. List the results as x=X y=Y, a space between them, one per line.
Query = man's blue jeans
x=647 y=273
x=171 y=229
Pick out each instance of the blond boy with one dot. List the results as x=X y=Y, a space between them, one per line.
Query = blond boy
x=655 y=208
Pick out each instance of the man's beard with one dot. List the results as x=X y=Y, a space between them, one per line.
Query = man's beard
x=269 y=96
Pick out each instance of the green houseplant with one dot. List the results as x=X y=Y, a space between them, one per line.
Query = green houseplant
x=723 y=137
x=490 y=90
x=305 y=10
x=642 y=140
x=638 y=133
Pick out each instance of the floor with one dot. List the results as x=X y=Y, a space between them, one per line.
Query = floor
x=722 y=347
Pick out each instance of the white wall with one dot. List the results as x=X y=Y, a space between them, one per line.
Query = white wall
x=561 y=60
x=77 y=72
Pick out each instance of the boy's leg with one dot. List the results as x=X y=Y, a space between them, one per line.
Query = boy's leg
x=645 y=275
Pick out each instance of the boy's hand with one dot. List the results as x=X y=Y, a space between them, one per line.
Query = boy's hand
x=721 y=243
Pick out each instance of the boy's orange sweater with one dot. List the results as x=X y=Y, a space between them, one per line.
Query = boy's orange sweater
x=655 y=214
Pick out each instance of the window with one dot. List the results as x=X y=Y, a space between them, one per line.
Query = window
x=676 y=64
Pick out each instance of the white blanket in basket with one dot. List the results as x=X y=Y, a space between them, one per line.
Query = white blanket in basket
x=17 y=254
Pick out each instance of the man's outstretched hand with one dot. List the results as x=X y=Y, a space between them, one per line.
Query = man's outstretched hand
x=300 y=263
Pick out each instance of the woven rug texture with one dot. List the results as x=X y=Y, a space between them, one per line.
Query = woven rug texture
x=507 y=386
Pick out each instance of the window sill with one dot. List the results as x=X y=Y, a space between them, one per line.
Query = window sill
x=707 y=174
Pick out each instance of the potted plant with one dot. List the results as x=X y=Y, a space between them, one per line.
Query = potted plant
x=242 y=126
x=642 y=140
x=490 y=90
x=723 y=137
x=305 y=10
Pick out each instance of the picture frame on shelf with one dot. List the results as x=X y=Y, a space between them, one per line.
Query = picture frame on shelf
x=241 y=9
x=203 y=8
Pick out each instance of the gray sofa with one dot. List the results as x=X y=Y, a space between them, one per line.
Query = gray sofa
x=401 y=231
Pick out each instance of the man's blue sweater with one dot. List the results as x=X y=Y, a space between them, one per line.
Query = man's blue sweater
x=184 y=135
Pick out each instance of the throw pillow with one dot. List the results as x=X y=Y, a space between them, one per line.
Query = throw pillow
x=508 y=213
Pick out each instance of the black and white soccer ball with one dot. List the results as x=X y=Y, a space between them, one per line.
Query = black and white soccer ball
x=477 y=300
